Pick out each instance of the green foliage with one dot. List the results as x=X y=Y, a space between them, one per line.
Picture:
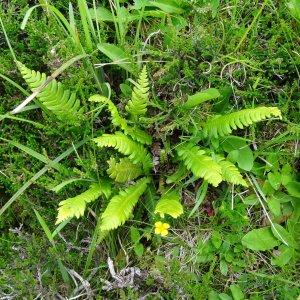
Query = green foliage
x=202 y=166
x=230 y=172
x=137 y=106
x=53 y=97
x=125 y=145
x=120 y=206
x=169 y=204
x=75 y=207
x=124 y=170
x=223 y=125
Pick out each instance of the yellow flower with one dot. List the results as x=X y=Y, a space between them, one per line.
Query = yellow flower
x=161 y=228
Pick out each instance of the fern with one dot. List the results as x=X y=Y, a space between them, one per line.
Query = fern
x=140 y=96
x=123 y=170
x=201 y=165
x=125 y=145
x=223 y=125
x=169 y=204
x=136 y=133
x=53 y=97
x=75 y=207
x=230 y=172
x=121 y=206
x=116 y=119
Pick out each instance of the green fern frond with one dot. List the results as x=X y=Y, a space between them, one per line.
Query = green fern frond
x=125 y=145
x=169 y=204
x=140 y=96
x=201 y=165
x=124 y=170
x=230 y=172
x=75 y=207
x=121 y=206
x=116 y=119
x=54 y=96
x=223 y=125
x=138 y=135
x=135 y=133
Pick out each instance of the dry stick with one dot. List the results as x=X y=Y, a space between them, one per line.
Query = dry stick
x=47 y=81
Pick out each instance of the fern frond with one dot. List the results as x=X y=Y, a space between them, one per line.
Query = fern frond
x=125 y=145
x=230 y=172
x=169 y=204
x=116 y=119
x=123 y=170
x=223 y=125
x=54 y=96
x=138 y=135
x=135 y=133
x=121 y=206
x=201 y=165
x=75 y=207
x=140 y=96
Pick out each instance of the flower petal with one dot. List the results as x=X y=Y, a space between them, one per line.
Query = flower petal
x=158 y=224
x=166 y=226
x=164 y=232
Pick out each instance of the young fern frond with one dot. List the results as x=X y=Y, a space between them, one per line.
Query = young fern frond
x=121 y=206
x=124 y=170
x=116 y=119
x=75 y=207
x=169 y=204
x=201 y=165
x=136 y=133
x=230 y=172
x=54 y=96
x=223 y=125
x=125 y=145
x=140 y=96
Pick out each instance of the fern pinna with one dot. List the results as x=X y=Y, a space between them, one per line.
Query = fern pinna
x=54 y=97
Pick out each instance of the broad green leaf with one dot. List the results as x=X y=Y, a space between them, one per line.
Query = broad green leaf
x=281 y=233
x=274 y=206
x=118 y=56
x=283 y=255
x=213 y=296
x=238 y=151
x=138 y=249
x=216 y=239
x=201 y=97
x=282 y=197
x=169 y=204
x=275 y=180
x=224 y=296
x=236 y=292
x=251 y=200
x=260 y=239
x=101 y=14
x=223 y=267
x=294 y=7
x=245 y=160
x=293 y=188
x=134 y=234
x=168 y=6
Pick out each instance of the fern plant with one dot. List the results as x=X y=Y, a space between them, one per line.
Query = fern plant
x=130 y=171
x=54 y=97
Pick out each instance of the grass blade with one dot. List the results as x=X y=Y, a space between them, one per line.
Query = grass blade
x=28 y=183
